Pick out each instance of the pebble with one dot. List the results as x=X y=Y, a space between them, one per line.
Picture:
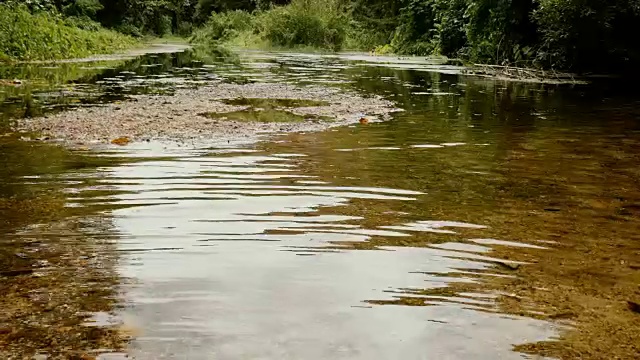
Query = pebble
x=176 y=117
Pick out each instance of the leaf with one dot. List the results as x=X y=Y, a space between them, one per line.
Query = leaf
x=122 y=141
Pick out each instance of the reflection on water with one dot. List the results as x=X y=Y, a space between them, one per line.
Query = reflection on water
x=245 y=258
x=456 y=230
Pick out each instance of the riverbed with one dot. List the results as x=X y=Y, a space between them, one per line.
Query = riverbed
x=440 y=216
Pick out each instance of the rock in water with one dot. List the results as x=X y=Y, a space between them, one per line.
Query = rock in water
x=122 y=141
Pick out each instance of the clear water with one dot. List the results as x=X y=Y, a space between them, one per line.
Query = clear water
x=385 y=241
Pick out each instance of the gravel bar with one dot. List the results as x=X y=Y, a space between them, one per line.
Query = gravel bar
x=182 y=116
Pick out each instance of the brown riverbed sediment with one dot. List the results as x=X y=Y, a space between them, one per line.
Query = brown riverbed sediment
x=52 y=289
x=185 y=115
x=557 y=209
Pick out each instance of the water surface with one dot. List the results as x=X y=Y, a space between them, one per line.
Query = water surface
x=456 y=230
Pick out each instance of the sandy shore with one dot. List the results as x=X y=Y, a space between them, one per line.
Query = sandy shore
x=184 y=116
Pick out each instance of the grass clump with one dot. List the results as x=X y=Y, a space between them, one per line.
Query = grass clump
x=47 y=36
x=223 y=27
x=318 y=24
x=302 y=23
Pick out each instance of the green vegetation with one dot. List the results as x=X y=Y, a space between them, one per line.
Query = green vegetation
x=319 y=24
x=302 y=23
x=224 y=27
x=45 y=36
x=577 y=35
x=574 y=35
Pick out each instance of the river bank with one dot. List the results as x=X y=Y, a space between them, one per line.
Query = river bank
x=151 y=46
x=42 y=35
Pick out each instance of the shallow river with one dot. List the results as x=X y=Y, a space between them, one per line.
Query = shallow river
x=478 y=219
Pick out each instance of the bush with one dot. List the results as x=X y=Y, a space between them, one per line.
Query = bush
x=32 y=5
x=44 y=36
x=223 y=27
x=415 y=32
x=83 y=23
x=449 y=25
x=319 y=24
x=588 y=34
x=372 y=23
x=366 y=36
x=83 y=8
x=129 y=29
x=162 y=25
x=579 y=35
x=184 y=28
x=302 y=23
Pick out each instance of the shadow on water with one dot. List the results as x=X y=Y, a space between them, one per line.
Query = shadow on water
x=458 y=229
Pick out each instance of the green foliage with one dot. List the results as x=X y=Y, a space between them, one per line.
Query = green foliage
x=499 y=31
x=362 y=37
x=449 y=27
x=44 y=36
x=318 y=24
x=83 y=23
x=383 y=50
x=148 y=17
x=589 y=34
x=579 y=35
x=563 y=34
x=32 y=5
x=373 y=23
x=83 y=8
x=162 y=25
x=479 y=30
x=205 y=8
x=416 y=29
x=223 y=26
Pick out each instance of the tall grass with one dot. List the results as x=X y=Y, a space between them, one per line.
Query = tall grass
x=46 y=36
x=223 y=27
x=321 y=24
